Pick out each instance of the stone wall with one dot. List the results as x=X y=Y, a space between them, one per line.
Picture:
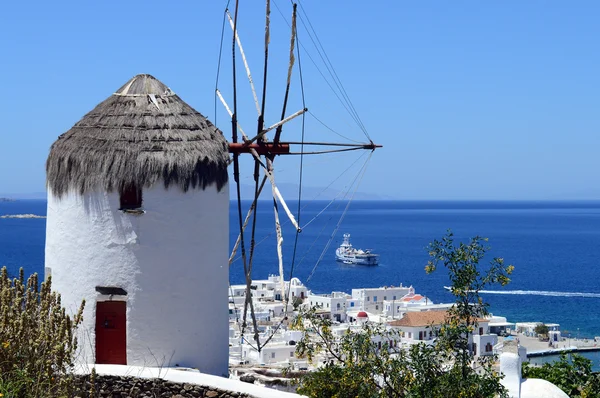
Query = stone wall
x=133 y=387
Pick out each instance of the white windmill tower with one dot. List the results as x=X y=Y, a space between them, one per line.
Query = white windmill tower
x=138 y=221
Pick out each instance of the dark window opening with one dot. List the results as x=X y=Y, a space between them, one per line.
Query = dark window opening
x=130 y=197
x=111 y=290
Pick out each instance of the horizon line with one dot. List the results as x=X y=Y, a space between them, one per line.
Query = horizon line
x=27 y=196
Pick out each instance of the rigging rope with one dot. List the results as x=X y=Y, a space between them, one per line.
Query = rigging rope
x=290 y=286
x=326 y=151
x=298 y=230
x=219 y=62
x=362 y=174
x=260 y=138
x=252 y=247
x=289 y=77
x=233 y=125
x=291 y=273
x=301 y=163
x=236 y=174
x=315 y=240
x=343 y=191
x=332 y=71
x=257 y=164
x=315 y=197
x=321 y=72
x=250 y=212
x=239 y=42
x=276 y=141
x=346 y=192
x=332 y=130
x=345 y=98
x=325 y=208
x=237 y=317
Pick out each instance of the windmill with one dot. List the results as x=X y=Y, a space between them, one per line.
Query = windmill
x=265 y=145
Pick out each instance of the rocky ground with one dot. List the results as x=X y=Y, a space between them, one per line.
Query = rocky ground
x=133 y=387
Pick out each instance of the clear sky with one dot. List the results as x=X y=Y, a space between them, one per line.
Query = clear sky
x=471 y=99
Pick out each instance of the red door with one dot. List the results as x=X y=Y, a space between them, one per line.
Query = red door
x=111 y=345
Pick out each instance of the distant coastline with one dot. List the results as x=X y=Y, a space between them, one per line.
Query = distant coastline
x=22 y=216
x=447 y=204
x=18 y=196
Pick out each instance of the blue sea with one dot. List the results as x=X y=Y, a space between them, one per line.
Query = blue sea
x=551 y=244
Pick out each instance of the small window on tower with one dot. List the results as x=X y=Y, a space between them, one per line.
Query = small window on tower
x=131 y=199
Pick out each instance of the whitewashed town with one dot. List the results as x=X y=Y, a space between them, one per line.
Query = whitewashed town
x=398 y=307
x=412 y=315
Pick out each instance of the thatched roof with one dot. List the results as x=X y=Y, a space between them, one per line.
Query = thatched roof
x=142 y=134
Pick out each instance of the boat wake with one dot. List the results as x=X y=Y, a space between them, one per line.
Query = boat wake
x=541 y=293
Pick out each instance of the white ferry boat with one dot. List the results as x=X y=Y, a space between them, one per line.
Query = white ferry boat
x=349 y=255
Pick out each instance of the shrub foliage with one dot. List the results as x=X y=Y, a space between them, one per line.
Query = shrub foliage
x=37 y=339
x=369 y=362
x=573 y=375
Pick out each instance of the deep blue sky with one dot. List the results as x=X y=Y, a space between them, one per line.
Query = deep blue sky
x=472 y=100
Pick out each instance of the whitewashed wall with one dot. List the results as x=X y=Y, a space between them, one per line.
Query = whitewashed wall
x=172 y=261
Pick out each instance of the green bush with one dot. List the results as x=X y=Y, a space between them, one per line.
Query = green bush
x=542 y=330
x=37 y=339
x=574 y=376
x=368 y=362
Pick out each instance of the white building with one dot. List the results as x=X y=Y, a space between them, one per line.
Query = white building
x=335 y=303
x=281 y=349
x=423 y=327
x=236 y=313
x=418 y=327
x=411 y=302
x=269 y=289
x=483 y=341
x=528 y=328
x=499 y=325
x=555 y=336
x=353 y=304
x=296 y=289
x=372 y=299
x=272 y=353
x=137 y=225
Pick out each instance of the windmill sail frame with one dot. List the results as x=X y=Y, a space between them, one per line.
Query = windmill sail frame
x=259 y=146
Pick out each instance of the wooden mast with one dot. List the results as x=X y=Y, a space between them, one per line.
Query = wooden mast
x=259 y=146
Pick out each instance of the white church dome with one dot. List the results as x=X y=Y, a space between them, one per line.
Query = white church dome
x=538 y=388
x=296 y=282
